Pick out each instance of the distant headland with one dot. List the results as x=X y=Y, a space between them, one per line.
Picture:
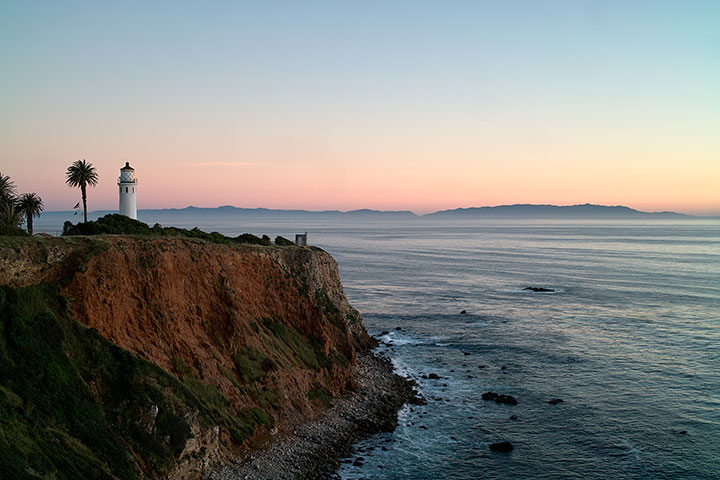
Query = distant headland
x=586 y=211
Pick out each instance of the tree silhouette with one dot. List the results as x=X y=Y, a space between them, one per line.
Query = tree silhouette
x=30 y=205
x=10 y=215
x=82 y=174
x=7 y=189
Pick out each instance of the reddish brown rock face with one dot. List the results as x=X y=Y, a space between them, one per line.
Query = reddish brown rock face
x=195 y=308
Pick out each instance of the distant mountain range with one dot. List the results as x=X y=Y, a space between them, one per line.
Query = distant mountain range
x=229 y=209
x=586 y=211
x=518 y=211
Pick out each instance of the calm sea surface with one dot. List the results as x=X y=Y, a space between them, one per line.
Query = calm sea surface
x=630 y=341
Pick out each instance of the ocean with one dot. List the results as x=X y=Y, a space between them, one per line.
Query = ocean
x=629 y=340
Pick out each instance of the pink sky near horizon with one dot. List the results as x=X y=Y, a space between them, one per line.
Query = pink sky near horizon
x=321 y=184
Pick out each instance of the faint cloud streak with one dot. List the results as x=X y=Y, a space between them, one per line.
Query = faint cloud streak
x=221 y=164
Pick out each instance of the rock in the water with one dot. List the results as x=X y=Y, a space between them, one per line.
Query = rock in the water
x=539 y=289
x=433 y=376
x=464 y=312
x=555 y=401
x=384 y=332
x=489 y=396
x=503 y=447
x=499 y=398
x=506 y=399
x=417 y=399
x=513 y=417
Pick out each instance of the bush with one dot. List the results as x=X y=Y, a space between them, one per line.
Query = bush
x=253 y=239
x=11 y=231
x=283 y=242
x=252 y=364
x=319 y=396
x=109 y=224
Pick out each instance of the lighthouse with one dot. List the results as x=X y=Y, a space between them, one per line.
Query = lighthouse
x=128 y=189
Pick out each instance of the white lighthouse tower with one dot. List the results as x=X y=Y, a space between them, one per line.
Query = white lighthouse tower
x=128 y=189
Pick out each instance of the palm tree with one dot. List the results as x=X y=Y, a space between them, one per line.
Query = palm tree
x=30 y=205
x=7 y=189
x=81 y=174
x=10 y=215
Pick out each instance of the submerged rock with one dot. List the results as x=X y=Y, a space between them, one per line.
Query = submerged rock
x=499 y=398
x=503 y=447
x=555 y=401
x=539 y=289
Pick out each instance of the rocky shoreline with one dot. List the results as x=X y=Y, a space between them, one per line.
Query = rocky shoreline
x=313 y=449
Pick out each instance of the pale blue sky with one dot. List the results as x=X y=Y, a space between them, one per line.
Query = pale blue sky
x=361 y=90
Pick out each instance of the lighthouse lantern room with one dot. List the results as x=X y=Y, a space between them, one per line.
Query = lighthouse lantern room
x=128 y=190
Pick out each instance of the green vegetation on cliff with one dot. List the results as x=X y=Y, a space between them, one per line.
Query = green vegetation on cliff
x=74 y=405
x=114 y=224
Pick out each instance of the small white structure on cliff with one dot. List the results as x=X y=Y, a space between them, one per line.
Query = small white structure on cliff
x=128 y=190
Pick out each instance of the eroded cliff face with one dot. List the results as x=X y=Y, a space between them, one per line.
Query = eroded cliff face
x=259 y=337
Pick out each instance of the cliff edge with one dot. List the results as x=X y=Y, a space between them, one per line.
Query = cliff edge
x=136 y=357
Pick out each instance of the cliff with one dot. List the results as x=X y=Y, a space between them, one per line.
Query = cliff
x=133 y=357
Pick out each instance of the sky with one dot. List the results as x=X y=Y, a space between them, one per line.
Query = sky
x=417 y=105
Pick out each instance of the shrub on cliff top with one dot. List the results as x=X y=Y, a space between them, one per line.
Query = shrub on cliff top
x=283 y=242
x=109 y=224
x=253 y=239
x=114 y=224
x=11 y=231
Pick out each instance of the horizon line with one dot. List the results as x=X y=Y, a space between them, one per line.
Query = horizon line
x=669 y=212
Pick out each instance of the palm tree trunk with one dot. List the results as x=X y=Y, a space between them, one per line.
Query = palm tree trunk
x=84 y=199
x=29 y=223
